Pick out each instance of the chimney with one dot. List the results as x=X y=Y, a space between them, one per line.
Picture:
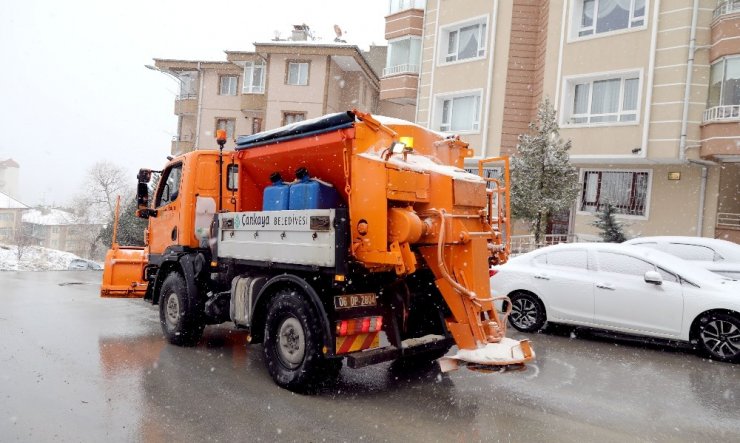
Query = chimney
x=300 y=33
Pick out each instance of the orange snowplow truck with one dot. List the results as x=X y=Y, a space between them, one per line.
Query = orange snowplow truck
x=342 y=237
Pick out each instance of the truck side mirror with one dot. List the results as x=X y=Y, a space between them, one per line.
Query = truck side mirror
x=142 y=188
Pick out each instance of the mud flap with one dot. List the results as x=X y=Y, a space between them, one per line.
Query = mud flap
x=507 y=352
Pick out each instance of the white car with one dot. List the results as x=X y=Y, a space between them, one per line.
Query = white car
x=720 y=256
x=625 y=289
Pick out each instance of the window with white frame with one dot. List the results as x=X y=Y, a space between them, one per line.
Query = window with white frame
x=228 y=85
x=254 y=78
x=463 y=41
x=600 y=16
x=602 y=100
x=627 y=191
x=402 y=5
x=459 y=113
x=404 y=55
x=297 y=73
x=724 y=82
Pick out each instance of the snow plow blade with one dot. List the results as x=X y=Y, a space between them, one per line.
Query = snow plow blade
x=507 y=352
x=123 y=275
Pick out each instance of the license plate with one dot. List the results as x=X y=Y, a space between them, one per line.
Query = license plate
x=355 y=301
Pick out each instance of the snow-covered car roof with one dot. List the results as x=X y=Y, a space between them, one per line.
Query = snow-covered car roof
x=727 y=249
x=669 y=262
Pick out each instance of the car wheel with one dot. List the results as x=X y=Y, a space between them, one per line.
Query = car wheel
x=527 y=312
x=182 y=323
x=292 y=344
x=719 y=337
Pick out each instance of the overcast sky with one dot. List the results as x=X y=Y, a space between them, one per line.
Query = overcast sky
x=74 y=90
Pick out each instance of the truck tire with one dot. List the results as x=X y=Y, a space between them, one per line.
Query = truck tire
x=181 y=320
x=292 y=343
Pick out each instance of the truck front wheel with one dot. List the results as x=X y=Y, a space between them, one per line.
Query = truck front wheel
x=292 y=343
x=182 y=323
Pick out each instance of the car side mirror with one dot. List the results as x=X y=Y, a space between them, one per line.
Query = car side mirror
x=653 y=277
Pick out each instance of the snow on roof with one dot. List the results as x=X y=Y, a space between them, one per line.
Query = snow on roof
x=321 y=43
x=49 y=217
x=8 y=202
x=9 y=163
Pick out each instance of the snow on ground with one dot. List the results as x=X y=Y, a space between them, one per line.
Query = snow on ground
x=34 y=258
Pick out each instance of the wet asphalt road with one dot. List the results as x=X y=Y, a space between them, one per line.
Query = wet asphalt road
x=74 y=367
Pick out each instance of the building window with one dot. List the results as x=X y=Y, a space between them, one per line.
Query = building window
x=227 y=124
x=463 y=42
x=55 y=229
x=6 y=233
x=627 y=191
x=297 y=73
x=604 y=99
x=254 y=78
x=256 y=125
x=6 y=217
x=228 y=85
x=600 y=16
x=293 y=117
x=188 y=85
x=724 y=90
x=404 y=55
x=459 y=113
x=402 y=5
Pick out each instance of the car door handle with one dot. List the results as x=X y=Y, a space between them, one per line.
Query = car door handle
x=542 y=277
x=605 y=286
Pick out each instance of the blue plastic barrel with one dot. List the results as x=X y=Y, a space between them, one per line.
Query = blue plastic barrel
x=309 y=193
x=276 y=196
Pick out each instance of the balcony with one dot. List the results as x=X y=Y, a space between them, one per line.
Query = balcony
x=720 y=132
x=253 y=102
x=728 y=7
x=400 y=87
x=405 y=68
x=722 y=114
x=186 y=105
x=181 y=145
x=404 y=23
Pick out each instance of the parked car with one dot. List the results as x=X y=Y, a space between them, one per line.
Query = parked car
x=625 y=289
x=79 y=264
x=720 y=256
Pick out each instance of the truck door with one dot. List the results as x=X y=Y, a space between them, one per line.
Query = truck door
x=167 y=201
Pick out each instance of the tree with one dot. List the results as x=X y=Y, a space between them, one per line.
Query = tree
x=543 y=181
x=23 y=241
x=105 y=182
x=611 y=229
x=96 y=203
x=130 y=227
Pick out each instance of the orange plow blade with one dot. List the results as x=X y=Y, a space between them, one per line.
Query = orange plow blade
x=123 y=275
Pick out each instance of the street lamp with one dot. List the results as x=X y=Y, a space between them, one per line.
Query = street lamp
x=177 y=96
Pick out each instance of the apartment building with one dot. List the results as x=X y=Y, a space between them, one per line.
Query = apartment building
x=280 y=82
x=647 y=90
x=11 y=211
x=58 y=229
x=9 y=169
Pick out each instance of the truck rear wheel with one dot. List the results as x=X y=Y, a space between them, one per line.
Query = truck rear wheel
x=292 y=343
x=179 y=315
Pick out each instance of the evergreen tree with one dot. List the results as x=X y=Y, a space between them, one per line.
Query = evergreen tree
x=543 y=181
x=611 y=229
x=130 y=227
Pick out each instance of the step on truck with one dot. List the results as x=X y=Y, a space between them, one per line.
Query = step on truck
x=342 y=238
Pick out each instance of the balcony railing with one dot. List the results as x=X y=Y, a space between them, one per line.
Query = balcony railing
x=405 y=68
x=727 y=7
x=186 y=96
x=728 y=220
x=722 y=113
